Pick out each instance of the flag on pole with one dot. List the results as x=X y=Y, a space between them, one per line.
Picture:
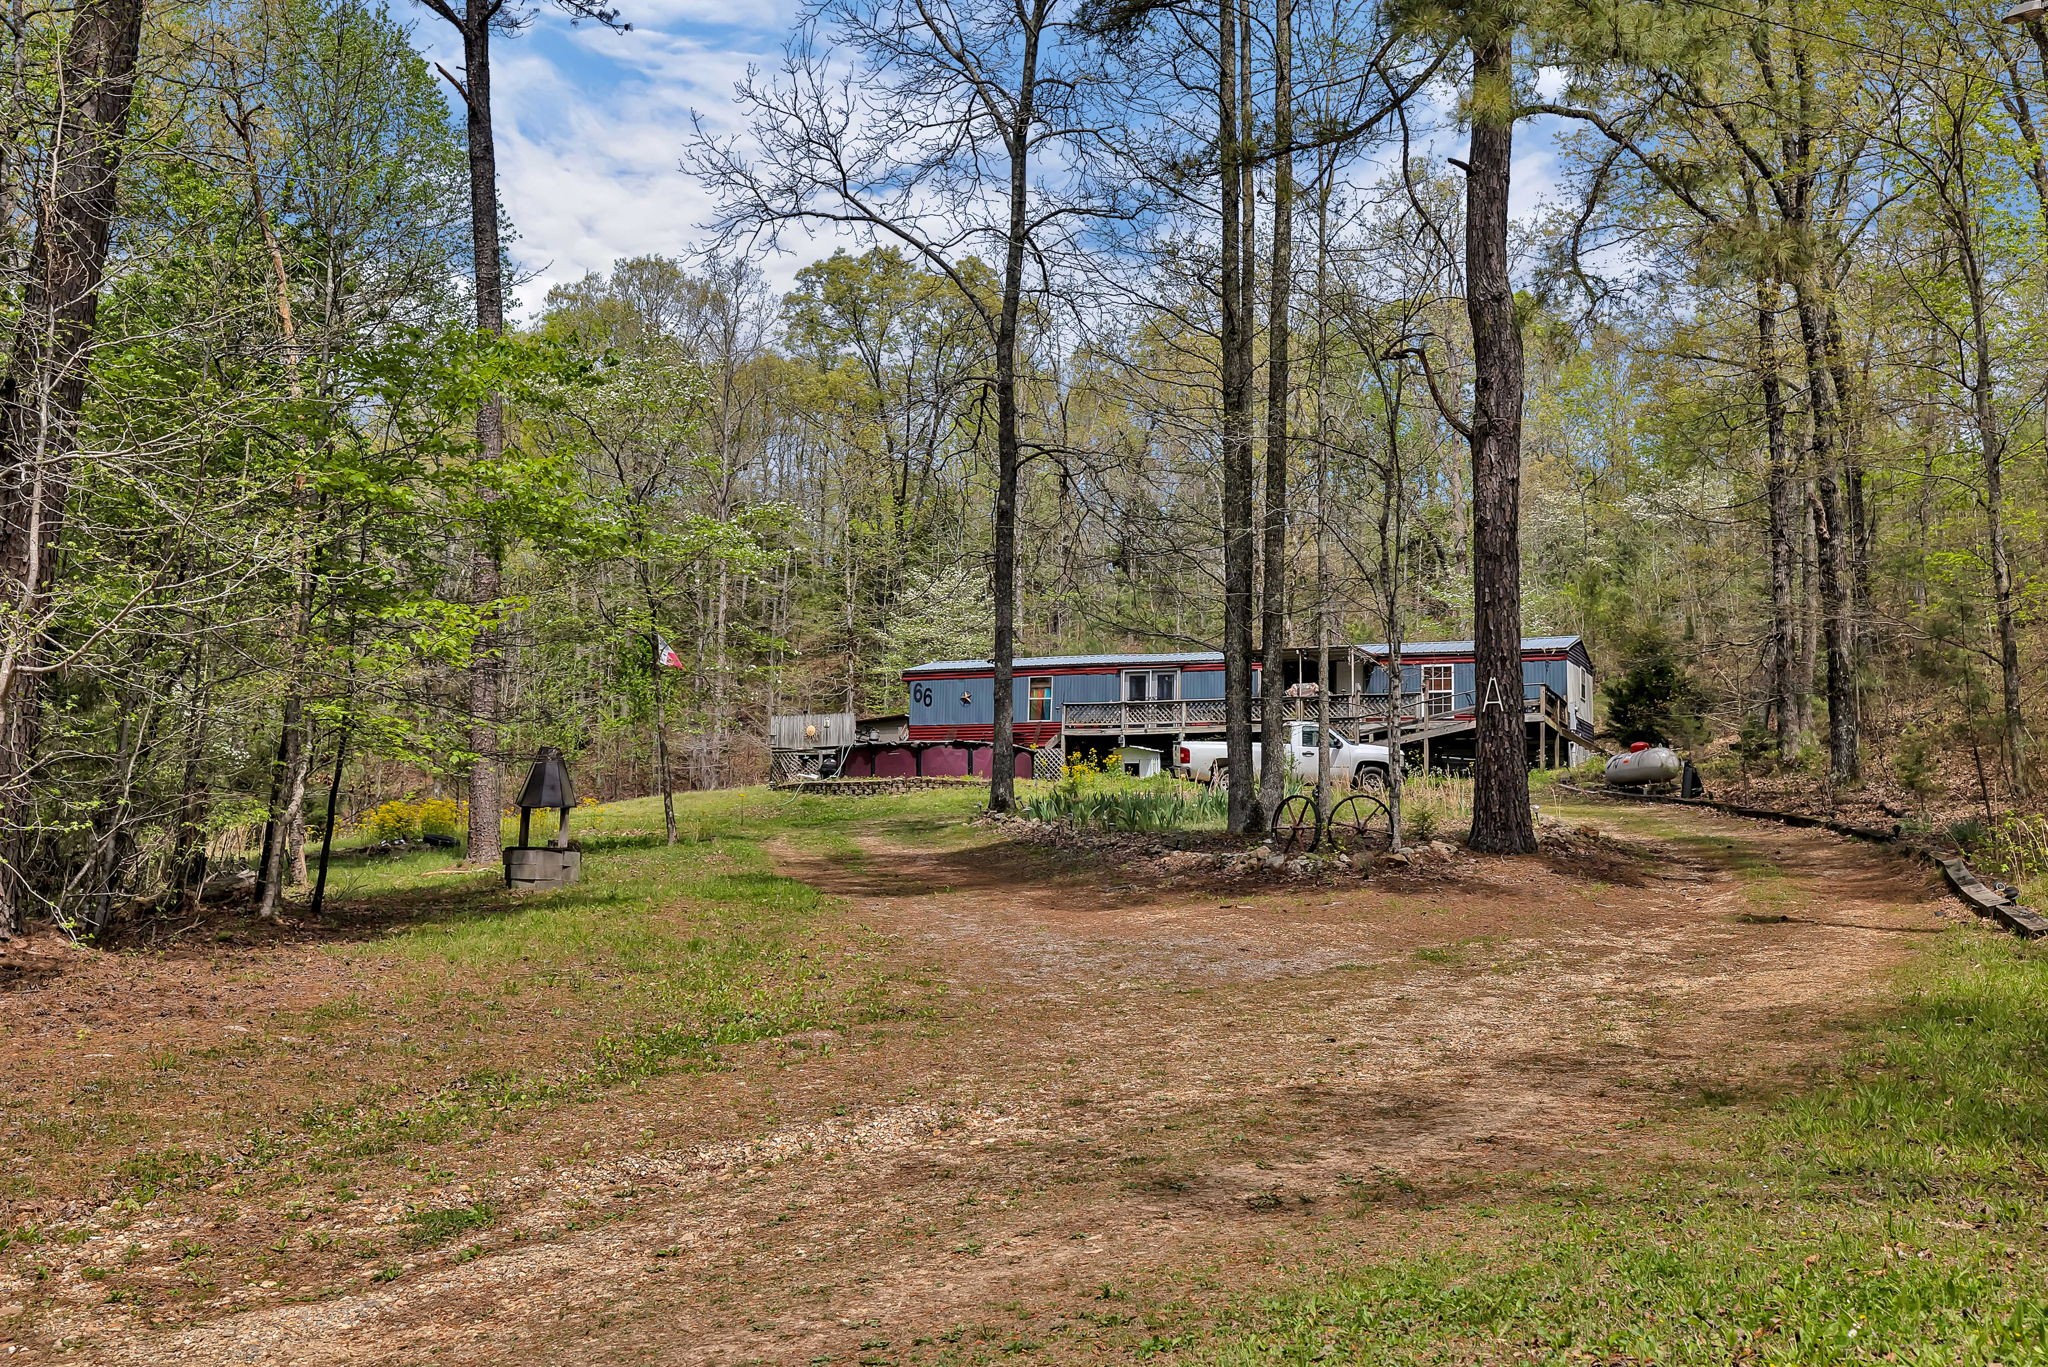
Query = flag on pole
x=666 y=654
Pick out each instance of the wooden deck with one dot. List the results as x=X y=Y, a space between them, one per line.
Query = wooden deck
x=1204 y=716
x=1361 y=716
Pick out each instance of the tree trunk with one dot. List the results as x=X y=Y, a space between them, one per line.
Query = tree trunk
x=290 y=821
x=721 y=771
x=486 y=779
x=1501 y=820
x=1235 y=396
x=1833 y=537
x=270 y=862
x=1319 y=384
x=1991 y=437
x=295 y=809
x=43 y=390
x=188 y=841
x=1806 y=664
x=1783 y=510
x=1002 y=778
x=1860 y=552
x=319 y=902
x=1391 y=534
x=1273 y=628
x=662 y=780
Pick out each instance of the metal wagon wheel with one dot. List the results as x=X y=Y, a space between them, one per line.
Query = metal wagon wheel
x=1361 y=821
x=1295 y=826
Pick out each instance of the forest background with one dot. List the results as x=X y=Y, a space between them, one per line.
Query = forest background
x=1157 y=327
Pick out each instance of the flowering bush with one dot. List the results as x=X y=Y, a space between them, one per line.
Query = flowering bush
x=396 y=820
x=439 y=816
x=414 y=818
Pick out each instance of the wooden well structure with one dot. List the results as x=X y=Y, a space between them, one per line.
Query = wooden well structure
x=556 y=864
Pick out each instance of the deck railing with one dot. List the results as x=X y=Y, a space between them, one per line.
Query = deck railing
x=1178 y=716
x=1364 y=713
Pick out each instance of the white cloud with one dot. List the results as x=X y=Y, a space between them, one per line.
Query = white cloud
x=1532 y=183
x=592 y=124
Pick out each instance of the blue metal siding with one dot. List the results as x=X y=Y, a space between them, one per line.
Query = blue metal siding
x=1547 y=672
x=922 y=713
x=1464 y=673
x=946 y=708
x=1066 y=688
x=1039 y=664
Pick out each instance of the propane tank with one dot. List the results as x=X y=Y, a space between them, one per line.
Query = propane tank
x=1644 y=764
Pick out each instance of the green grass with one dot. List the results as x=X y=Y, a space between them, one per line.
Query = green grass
x=1766 y=886
x=427 y=1228
x=474 y=1008
x=1091 y=800
x=815 y=823
x=1897 y=1213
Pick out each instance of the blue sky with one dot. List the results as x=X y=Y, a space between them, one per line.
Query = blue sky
x=591 y=125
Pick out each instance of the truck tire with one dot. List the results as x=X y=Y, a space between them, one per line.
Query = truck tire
x=1219 y=777
x=1370 y=778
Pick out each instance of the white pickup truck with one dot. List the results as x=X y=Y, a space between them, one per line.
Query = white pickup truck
x=1365 y=765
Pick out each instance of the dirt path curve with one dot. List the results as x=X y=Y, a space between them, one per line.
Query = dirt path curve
x=1143 y=1097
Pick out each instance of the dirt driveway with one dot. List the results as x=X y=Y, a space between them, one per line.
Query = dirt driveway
x=1141 y=1099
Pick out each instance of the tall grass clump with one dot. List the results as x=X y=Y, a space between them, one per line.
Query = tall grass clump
x=1434 y=804
x=2013 y=847
x=1091 y=797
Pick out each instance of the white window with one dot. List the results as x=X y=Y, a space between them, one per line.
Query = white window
x=1039 y=700
x=1439 y=690
x=1151 y=685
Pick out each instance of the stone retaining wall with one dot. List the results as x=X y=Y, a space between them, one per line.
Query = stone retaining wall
x=875 y=787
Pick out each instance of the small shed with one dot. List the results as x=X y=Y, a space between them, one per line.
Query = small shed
x=1138 y=761
x=808 y=731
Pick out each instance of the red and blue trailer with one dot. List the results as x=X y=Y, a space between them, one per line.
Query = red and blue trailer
x=952 y=706
x=1095 y=704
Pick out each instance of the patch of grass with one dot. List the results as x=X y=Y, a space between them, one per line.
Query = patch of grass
x=1456 y=951
x=1090 y=799
x=482 y=1006
x=1764 y=883
x=445 y=1224
x=1898 y=1213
